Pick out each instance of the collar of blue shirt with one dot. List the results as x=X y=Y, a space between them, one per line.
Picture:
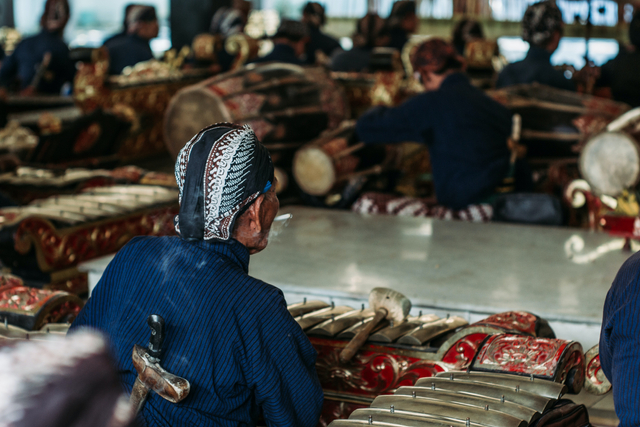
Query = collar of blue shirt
x=235 y=251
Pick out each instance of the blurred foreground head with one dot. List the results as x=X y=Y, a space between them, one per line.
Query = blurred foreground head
x=63 y=382
x=227 y=189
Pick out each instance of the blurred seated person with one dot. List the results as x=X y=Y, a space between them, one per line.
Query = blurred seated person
x=227 y=22
x=314 y=18
x=127 y=51
x=402 y=22
x=370 y=33
x=622 y=74
x=41 y=63
x=465 y=31
x=465 y=130
x=288 y=43
x=542 y=28
x=125 y=25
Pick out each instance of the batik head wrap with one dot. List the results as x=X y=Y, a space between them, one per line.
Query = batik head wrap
x=220 y=172
x=436 y=56
x=55 y=16
x=540 y=21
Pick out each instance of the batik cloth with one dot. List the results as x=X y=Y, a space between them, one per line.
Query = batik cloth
x=433 y=55
x=540 y=21
x=220 y=173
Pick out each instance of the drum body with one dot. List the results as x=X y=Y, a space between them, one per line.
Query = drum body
x=286 y=105
x=610 y=162
x=328 y=163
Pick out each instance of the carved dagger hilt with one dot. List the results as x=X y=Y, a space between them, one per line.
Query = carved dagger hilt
x=156 y=323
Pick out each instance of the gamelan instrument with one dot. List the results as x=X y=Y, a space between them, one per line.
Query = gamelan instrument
x=333 y=160
x=555 y=121
x=610 y=166
x=25 y=311
x=411 y=354
x=462 y=399
x=145 y=96
x=286 y=105
x=45 y=240
x=26 y=184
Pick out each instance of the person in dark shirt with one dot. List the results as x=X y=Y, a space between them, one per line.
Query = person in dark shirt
x=465 y=130
x=466 y=30
x=41 y=63
x=288 y=44
x=125 y=25
x=619 y=347
x=542 y=28
x=229 y=334
x=134 y=47
x=314 y=18
x=370 y=33
x=402 y=22
x=226 y=22
x=622 y=74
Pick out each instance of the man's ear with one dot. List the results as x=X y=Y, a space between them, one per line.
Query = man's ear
x=255 y=213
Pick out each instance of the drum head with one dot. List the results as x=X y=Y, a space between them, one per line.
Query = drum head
x=313 y=171
x=610 y=162
x=191 y=110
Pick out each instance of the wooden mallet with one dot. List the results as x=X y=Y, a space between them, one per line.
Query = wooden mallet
x=387 y=304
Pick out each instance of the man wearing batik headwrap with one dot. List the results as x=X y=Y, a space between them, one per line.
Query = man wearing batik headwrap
x=542 y=28
x=125 y=26
x=288 y=43
x=41 y=63
x=314 y=18
x=142 y=26
x=228 y=334
x=465 y=130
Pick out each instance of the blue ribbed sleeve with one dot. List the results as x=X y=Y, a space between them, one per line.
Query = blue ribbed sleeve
x=227 y=333
x=620 y=341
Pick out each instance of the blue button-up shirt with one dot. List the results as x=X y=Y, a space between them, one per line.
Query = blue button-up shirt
x=466 y=132
x=127 y=51
x=535 y=67
x=620 y=341
x=23 y=63
x=228 y=334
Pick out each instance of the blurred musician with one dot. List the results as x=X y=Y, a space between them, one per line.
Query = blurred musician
x=402 y=22
x=619 y=347
x=229 y=334
x=288 y=43
x=622 y=74
x=542 y=28
x=370 y=33
x=314 y=18
x=125 y=26
x=41 y=63
x=465 y=31
x=227 y=22
x=465 y=130
x=142 y=26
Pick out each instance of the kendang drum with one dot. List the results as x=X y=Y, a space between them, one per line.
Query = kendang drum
x=337 y=164
x=610 y=161
x=286 y=105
